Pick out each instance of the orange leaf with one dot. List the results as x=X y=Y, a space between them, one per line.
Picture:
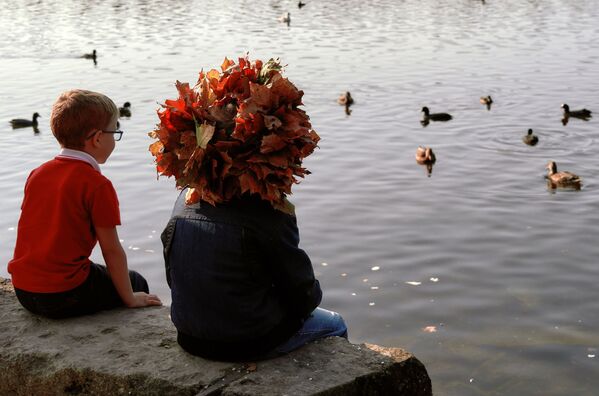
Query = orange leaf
x=156 y=148
x=226 y=64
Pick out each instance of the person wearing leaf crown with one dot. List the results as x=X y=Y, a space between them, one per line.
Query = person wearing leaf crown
x=241 y=286
x=67 y=208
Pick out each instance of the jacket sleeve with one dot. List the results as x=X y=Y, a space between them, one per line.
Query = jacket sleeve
x=293 y=276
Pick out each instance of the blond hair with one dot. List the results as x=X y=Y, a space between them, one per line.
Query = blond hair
x=78 y=112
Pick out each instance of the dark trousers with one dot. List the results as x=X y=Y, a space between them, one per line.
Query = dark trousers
x=97 y=293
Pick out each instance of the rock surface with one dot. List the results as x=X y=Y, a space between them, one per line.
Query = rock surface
x=134 y=352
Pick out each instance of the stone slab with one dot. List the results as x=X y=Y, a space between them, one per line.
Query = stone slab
x=134 y=352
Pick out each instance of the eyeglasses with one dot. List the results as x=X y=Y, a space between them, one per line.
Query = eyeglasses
x=118 y=134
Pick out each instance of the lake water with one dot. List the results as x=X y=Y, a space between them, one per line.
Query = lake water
x=485 y=274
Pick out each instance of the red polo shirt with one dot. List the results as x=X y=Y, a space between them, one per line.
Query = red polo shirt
x=64 y=200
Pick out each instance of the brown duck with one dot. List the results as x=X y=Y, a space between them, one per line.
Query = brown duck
x=563 y=178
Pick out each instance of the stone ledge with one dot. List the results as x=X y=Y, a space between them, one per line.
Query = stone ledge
x=134 y=352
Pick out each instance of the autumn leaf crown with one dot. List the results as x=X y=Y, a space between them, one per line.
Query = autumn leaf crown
x=236 y=131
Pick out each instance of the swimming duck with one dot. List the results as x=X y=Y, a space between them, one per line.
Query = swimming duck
x=285 y=18
x=583 y=113
x=486 y=100
x=425 y=155
x=23 y=123
x=345 y=99
x=435 y=116
x=300 y=4
x=561 y=179
x=125 y=111
x=90 y=56
x=530 y=138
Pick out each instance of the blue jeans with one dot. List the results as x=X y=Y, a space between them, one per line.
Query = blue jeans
x=320 y=324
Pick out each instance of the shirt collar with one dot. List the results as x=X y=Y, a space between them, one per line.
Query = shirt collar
x=79 y=155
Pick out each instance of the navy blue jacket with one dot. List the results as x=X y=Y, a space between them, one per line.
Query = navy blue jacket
x=240 y=284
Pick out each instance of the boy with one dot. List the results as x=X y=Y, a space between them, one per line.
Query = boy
x=68 y=206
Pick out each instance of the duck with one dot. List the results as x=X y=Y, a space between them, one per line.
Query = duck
x=93 y=55
x=561 y=179
x=125 y=111
x=285 y=18
x=583 y=113
x=530 y=138
x=425 y=155
x=486 y=100
x=435 y=116
x=345 y=99
x=300 y=4
x=23 y=123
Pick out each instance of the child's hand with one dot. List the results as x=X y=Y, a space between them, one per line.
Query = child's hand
x=141 y=299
